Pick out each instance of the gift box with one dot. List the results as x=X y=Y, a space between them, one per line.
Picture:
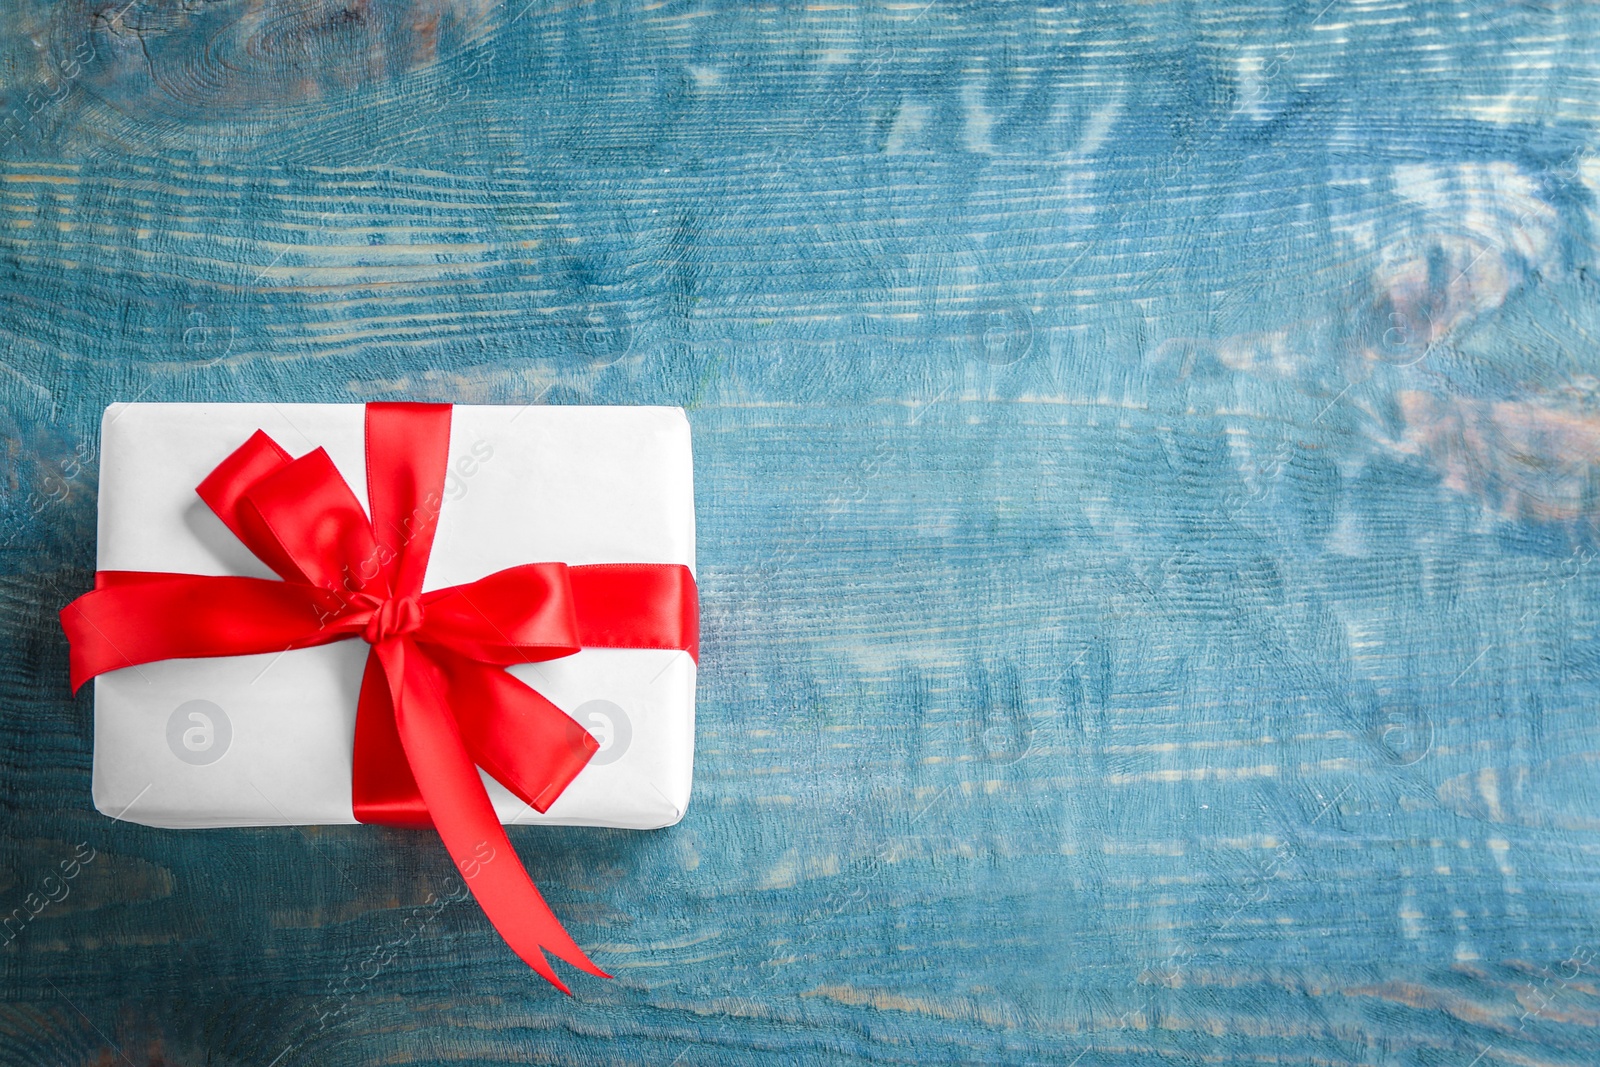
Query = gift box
x=267 y=739
x=325 y=613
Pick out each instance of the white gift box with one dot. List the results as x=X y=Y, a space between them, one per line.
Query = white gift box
x=268 y=740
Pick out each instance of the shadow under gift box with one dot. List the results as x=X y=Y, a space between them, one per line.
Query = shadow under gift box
x=268 y=740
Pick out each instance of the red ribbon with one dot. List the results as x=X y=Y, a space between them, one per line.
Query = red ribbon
x=436 y=702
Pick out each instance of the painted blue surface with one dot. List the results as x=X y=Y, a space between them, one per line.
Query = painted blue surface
x=1146 y=473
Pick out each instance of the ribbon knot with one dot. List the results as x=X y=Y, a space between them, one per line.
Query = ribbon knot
x=392 y=618
x=435 y=706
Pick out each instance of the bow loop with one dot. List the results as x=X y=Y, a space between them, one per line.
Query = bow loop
x=298 y=516
x=518 y=615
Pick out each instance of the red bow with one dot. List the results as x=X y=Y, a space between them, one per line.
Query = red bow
x=436 y=702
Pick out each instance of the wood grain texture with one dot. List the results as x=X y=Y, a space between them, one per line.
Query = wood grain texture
x=1148 y=485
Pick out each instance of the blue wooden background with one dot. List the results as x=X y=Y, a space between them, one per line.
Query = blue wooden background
x=1148 y=472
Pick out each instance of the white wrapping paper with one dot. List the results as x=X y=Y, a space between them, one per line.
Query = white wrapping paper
x=267 y=740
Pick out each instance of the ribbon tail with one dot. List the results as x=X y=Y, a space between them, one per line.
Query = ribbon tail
x=526 y=743
x=465 y=818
